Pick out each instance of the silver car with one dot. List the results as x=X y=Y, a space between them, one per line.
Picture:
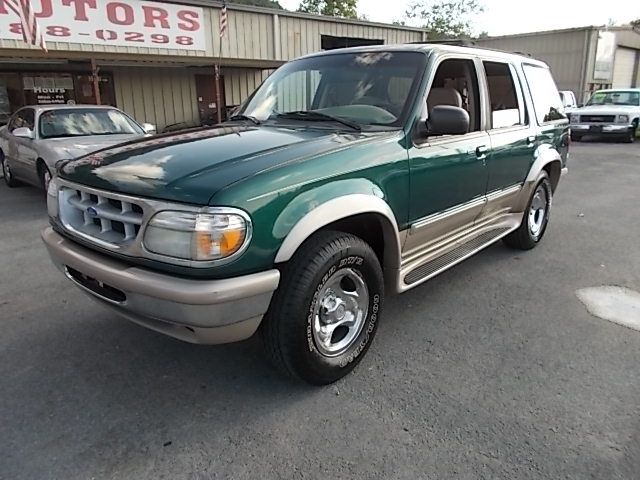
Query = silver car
x=37 y=137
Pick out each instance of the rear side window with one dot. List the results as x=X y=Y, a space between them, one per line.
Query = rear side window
x=505 y=97
x=546 y=98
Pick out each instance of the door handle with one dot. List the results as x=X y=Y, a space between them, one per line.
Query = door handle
x=482 y=151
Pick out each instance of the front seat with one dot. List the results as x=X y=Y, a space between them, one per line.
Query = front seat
x=444 y=96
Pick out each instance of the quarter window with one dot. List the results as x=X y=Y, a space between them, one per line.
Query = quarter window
x=546 y=98
x=505 y=98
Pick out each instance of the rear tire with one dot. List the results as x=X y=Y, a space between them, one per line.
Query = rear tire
x=325 y=313
x=535 y=219
x=9 y=179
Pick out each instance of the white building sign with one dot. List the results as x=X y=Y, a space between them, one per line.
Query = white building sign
x=127 y=23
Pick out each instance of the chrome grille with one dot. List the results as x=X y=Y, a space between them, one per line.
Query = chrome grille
x=598 y=118
x=100 y=216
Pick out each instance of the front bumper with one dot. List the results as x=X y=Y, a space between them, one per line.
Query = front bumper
x=196 y=311
x=601 y=128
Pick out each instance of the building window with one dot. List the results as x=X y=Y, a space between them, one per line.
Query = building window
x=328 y=42
x=47 y=89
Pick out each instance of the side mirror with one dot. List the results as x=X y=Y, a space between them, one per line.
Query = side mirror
x=448 y=120
x=149 y=128
x=23 y=132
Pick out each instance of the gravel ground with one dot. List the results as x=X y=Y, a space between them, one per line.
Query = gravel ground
x=492 y=370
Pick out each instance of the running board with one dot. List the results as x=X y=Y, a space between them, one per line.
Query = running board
x=454 y=256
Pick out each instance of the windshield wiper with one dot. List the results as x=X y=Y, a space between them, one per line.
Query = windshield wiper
x=252 y=119
x=315 y=116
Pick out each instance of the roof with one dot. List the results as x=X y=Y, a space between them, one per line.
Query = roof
x=58 y=106
x=428 y=48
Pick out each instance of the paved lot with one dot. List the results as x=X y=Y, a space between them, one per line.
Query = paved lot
x=492 y=370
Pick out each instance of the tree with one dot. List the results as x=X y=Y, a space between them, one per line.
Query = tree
x=445 y=18
x=332 y=8
x=259 y=3
x=635 y=24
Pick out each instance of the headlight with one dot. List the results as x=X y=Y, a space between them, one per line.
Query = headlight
x=623 y=118
x=197 y=236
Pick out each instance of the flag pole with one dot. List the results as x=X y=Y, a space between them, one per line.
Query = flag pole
x=223 y=28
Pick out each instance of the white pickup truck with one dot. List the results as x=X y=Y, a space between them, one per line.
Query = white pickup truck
x=608 y=112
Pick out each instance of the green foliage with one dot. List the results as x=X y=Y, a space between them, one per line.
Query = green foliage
x=259 y=3
x=332 y=8
x=445 y=18
x=635 y=24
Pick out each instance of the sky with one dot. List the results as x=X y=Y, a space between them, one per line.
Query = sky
x=504 y=17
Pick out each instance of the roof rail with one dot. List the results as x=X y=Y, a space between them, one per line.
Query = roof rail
x=453 y=41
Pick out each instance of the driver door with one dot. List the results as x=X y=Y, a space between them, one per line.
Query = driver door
x=448 y=173
x=22 y=151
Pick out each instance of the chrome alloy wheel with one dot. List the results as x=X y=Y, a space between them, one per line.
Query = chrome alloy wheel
x=538 y=211
x=340 y=312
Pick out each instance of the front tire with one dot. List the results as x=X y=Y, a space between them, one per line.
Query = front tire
x=535 y=219
x=325 y=313
x=45 y=176
x=9 y=179
x=631 y=136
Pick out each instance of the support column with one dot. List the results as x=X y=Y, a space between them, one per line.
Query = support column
x=95 y=71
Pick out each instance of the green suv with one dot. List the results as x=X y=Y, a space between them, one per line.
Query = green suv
x=347 y=176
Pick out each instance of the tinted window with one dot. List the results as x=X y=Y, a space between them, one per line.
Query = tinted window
x=546 y=99
x=506 y=109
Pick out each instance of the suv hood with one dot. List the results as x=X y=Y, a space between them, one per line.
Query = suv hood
x=606 y=109
x=191 y=166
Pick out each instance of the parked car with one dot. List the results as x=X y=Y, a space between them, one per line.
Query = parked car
x=614 y=113
x=37 y=137
x=568 y=100
x=349 y=175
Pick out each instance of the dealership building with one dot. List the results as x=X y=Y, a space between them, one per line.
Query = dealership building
x=155 y=60
x=582 y=59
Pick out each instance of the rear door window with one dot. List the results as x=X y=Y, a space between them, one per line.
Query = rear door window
x=505 y=96
x=546 y=98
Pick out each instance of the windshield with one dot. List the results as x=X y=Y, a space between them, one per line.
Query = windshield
x=78 y=122
x=367 y=89
x=615 y=98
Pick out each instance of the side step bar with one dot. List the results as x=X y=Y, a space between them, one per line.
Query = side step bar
x=454 y=256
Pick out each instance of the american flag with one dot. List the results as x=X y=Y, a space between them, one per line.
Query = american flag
x=31 y=32
x=223 y=19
